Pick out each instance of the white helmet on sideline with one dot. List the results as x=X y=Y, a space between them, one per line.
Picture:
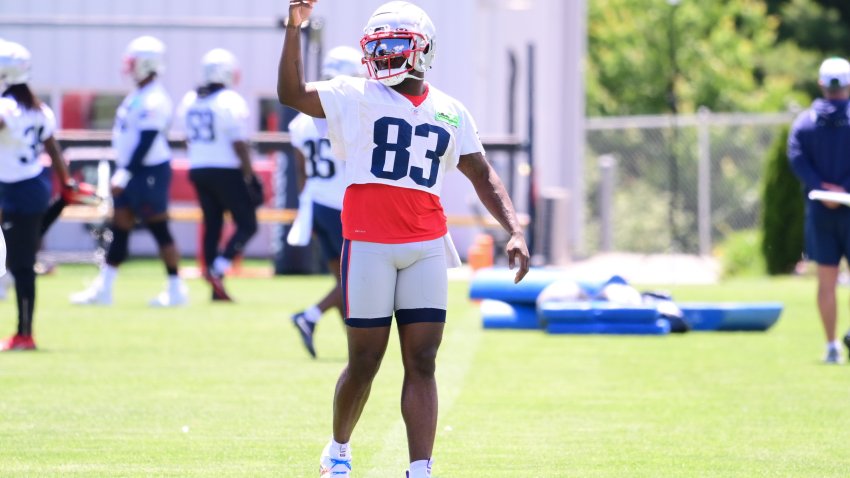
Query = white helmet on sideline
x=220 y=66
x=15 y=63
x=144 y=56
x=343 y=61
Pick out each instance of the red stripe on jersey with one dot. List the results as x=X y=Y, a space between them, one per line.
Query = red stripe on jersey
x=391 y=215
x=419 y=99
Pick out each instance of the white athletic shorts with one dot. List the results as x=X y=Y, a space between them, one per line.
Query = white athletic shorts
x=409 y=280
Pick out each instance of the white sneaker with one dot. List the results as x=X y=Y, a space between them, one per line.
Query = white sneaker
x=172 y=296
x=833 y=355
x=331 y=468
x=95 y=294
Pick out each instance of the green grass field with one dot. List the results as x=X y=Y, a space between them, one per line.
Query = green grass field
x=110 y=391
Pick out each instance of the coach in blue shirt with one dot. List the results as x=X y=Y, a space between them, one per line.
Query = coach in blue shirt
x=819 y=152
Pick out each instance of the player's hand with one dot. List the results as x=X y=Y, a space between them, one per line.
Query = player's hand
x=69 y=187
x=518 y=251
x=117 y=191
x=299 y=12
x=834 y=188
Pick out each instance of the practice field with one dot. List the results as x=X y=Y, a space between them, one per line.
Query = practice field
x=226 y=390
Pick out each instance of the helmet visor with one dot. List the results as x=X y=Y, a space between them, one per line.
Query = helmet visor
x=388 y=53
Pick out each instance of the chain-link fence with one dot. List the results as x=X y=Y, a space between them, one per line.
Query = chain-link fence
x=674 y=184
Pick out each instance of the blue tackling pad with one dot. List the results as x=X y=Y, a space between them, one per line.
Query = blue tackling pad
x=659 y=327
x=596 y=311
x=731 y=316
x=500 y=315
x=499 y=284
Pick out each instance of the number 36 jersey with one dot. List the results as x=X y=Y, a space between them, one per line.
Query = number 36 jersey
x=325 y=173
x=21 y=140
x=212 y=124
x=397 y=152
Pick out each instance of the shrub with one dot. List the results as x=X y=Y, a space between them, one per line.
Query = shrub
x=739 y=254
x=782 y=212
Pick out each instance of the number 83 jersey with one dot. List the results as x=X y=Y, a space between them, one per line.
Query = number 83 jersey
x=21 y=140
x=397 y=152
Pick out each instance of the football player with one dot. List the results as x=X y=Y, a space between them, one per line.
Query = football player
x=26 y=129
x=215 y=120
x=141 y=182
x=399 y=136
x=321 y=178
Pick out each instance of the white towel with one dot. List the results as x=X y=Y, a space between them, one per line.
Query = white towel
x=302 y=226
x=452 y=257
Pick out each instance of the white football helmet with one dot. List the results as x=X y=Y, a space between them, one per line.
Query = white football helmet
x=399 y=38
x=14 y=63
x=342 y=61
x=144 y=56
x=220 y=66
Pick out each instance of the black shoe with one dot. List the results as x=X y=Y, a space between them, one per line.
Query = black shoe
x=305 y=328
x=218 y=292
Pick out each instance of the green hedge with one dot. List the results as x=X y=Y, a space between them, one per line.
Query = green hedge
x=782 y=212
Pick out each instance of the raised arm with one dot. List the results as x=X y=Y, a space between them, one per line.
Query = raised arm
x=292 y=90
x=495 y=198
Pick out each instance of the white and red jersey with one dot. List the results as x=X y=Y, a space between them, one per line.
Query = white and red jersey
x=325 y=173
x=22 y=138
x=148 y=108
x=397 y=151
x=212 y=124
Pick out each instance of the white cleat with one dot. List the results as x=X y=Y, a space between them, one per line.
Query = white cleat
x=331 y=468
x=171 y=297
x=95 y=294
x=833 y=356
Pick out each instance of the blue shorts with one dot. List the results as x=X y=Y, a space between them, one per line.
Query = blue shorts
x=327 y=225
x=30 y=196
x=146 y=195
x=827 y=234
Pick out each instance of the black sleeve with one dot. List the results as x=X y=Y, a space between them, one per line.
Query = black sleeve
x=145 y=142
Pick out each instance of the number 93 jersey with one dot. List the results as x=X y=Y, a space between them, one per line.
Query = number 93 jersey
x=21 y=140
x=212 y=124
x=386 y=139
x=325 y=173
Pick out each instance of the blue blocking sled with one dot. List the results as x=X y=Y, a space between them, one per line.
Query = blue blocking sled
x=512 y=306
x=732 y=316
x=500 y=315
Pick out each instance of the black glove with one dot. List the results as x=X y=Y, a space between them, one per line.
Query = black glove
x=255 y=190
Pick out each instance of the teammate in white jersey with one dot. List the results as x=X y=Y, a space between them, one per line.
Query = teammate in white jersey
x=140 y=185
x=399 y=136
x=321 y=178
x=215 y=120
x=26 y=129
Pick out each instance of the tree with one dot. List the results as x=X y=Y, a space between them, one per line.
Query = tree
x=723 y=55
x=782 y=216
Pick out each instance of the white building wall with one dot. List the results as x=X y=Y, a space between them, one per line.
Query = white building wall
x=472 y=64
